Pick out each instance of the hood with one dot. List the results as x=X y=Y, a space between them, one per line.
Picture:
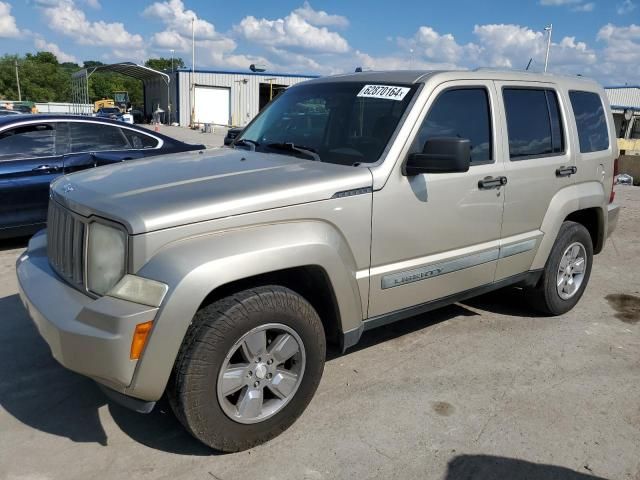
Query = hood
x=172 y=190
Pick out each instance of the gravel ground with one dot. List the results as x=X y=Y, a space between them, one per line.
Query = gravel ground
x=480 y=390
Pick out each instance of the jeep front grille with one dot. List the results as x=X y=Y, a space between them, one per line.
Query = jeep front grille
x=65 y=243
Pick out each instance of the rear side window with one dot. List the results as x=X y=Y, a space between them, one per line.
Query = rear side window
x=139 y=140
x=28 y=141
x=462 y=113
x=590 y=120
x=94 y=137
x=534 y=123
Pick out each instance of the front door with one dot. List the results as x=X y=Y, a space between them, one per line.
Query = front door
x=435 y=235
x=29 y=161
x=540 y=164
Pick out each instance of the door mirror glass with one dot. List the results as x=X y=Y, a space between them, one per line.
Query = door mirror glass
x=440 y=155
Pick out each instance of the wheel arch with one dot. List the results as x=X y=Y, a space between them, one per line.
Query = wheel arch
x=201 y=269
x=584 y=203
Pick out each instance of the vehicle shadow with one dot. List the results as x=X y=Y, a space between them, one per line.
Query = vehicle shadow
x=487 y=467
x=506 y=301
x=13 y=243
x=407 y=326
x=40 y=393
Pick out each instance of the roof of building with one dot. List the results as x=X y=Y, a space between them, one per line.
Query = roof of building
x=238 y=72
x=624 y=97
x=126 y=68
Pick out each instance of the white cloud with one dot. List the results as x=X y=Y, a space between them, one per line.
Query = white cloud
x=42 y=45
x=576 y=5
x=66 y=18
x=626 y=7
x=291 y=32
x=436 y=47
x=555 y=3
x=320 y=18
x=8 y=27
x=177 y=19
x=584 y=7
x=94 y=4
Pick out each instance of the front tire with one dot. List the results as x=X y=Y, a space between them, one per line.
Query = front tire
x=566 y=272
x=248 y=367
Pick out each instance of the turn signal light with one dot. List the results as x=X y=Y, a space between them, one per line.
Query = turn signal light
x=140 y=339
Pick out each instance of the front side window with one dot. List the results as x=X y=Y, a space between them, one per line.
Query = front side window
x=95 y=137
x=462 y=113
x=534 y=123
x=28 y=141
x=339 y=122
x=593 y=133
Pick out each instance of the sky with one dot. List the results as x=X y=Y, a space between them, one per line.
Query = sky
x=594 y=38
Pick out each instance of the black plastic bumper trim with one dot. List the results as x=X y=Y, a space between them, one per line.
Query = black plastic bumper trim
x=135 y=404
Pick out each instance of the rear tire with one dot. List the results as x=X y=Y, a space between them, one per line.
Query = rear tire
x=566 y=272
x=232 y=387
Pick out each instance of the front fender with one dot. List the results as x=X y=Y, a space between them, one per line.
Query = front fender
x=566 y=201
x=195 y=267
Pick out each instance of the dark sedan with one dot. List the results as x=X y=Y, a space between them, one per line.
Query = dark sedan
x=36 y=149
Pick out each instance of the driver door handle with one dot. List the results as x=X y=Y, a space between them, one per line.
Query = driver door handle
x=45 y=168
x=488 y=183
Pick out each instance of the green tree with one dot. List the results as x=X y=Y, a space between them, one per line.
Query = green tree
x=164 y=63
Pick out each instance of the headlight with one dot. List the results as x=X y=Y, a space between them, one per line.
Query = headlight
x=105 y=257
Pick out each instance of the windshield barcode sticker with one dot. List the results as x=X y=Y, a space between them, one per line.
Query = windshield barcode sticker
x=384 y=91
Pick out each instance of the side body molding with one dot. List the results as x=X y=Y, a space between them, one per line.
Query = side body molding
x=568 y=200
x=196 y=266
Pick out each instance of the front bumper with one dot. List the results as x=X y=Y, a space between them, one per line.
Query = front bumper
x=613 y=212
x=91 y=337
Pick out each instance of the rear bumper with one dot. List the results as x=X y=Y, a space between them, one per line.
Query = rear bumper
x=88 y=336
x=613 y=211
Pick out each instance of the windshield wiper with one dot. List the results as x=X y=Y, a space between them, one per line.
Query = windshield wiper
x=245 y=142
x=290 y=147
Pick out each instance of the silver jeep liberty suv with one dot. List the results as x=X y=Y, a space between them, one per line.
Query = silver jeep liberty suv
x=348 y=203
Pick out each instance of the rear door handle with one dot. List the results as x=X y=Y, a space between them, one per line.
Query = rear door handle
x=489 y=183
x=45 y=168
x=566 y=171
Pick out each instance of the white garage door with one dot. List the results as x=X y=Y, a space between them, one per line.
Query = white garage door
x=212 y=105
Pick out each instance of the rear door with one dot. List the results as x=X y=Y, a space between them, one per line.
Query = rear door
x=29 y=161
x=540 y=163
x=595 y=151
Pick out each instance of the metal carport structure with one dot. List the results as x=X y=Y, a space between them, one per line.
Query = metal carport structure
x=151 y=80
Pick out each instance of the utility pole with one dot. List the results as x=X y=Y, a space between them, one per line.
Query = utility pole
x=172 y=52
x=193 y=72
x=548 y=29
x=18 y=82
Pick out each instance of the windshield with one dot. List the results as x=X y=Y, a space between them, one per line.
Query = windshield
x=341 y=122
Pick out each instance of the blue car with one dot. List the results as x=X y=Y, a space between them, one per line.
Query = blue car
x=36 y=149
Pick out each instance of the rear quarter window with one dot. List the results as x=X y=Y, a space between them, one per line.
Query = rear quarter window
x=593 y=133
x=139 y=140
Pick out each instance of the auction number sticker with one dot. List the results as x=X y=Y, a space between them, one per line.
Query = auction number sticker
x=384 y=91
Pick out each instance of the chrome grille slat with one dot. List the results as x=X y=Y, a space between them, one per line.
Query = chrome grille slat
x=65 y=243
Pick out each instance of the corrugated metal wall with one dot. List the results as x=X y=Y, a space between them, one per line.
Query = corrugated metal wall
x=245 y=91
x=155 y=94
x=624 y=96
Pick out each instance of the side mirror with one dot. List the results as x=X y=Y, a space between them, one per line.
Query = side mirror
x=440 y=155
